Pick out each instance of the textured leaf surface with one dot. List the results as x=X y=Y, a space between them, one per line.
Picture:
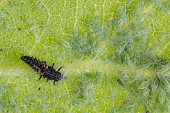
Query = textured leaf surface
x=94 y=39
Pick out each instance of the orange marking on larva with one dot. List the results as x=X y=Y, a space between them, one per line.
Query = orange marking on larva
x=46 y=67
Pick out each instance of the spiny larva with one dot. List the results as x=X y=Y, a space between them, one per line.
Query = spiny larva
x=43 y=69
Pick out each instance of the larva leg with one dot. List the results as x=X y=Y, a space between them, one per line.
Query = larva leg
x=47 y=80
x=60 y=68
x=40 y=77
x=55 y=83
x=52 y=65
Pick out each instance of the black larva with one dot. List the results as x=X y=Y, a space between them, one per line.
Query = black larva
x=43 y=69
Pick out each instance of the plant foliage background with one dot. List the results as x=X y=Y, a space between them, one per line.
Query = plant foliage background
x=116 y=54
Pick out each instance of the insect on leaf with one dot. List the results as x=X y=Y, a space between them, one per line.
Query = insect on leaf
x=133 y=79
x=75 y=33
x=166 y=82
x=130 y=104
x=123 y=75
x=154 y=84
x=143 y=85
x=162 y=96
x=146 y=92
x=66 y=44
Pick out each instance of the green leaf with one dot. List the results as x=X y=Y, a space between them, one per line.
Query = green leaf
x=59 y=31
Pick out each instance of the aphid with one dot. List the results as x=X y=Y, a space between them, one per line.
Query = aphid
x=0 y=50
x=19 y=29
x=39 y=88
x=120 y=82
x=147 y=111
x=43 y=69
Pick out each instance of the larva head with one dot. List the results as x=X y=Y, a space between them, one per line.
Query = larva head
x=58 y=75
x=53 y=74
